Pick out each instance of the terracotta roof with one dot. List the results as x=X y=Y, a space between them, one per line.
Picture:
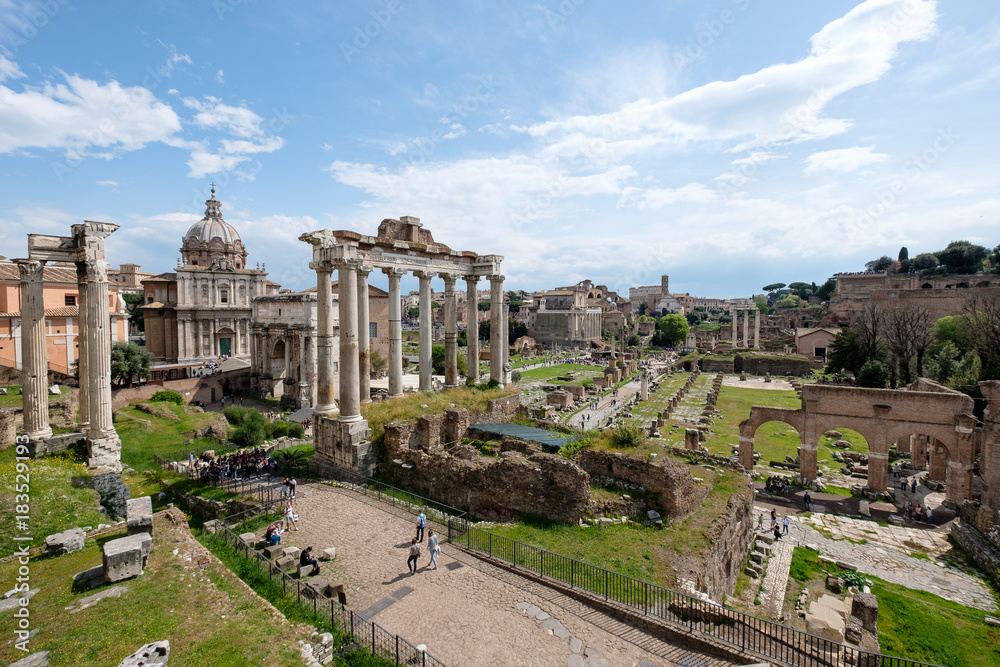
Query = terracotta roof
x=160 y=277
x=62 y=311
x=52 y=274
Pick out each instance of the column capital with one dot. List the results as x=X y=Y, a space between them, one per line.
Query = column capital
x=424 y=275
x=30 y=269
x=321 y=266
x=496 y=278
x=393 y=271
x=349 y=263
x=96 y=270
x=448 y=278
x=322 y=238
x=471 y=279
x=364 y=269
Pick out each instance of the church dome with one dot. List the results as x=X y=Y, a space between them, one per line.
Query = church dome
x=212 y=242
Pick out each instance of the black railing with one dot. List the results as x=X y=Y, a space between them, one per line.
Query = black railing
x=738 y=630
x=368 y=634
x=263 y=491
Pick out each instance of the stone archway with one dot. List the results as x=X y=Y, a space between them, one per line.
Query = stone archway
x=759 y=415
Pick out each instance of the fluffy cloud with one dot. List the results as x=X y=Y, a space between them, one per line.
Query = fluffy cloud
x=843 y=160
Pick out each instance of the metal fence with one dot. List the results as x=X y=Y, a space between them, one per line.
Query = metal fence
x=368 y=634
x=743 y=631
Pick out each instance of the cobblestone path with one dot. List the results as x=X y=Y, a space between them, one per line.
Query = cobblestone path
x=772 y=596
x=466 y=612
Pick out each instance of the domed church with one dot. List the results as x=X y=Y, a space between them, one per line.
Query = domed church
x=202 y=310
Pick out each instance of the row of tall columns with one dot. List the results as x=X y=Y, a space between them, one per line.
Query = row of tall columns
x=472 y=332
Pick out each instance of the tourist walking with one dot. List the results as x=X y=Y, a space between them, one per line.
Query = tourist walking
x=432 y=546
x=928 y=513
x=760 y=521
x=908 y=508
x=807 y=501
x=291 y=518
x=421 y=523
x=902 y=485
x=411 y=562
x=291 y=487
x=917 y=511
x=913 y=485
x=784 y=525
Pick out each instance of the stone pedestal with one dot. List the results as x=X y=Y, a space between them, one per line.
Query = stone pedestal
x=878 y=471
x=344 y=444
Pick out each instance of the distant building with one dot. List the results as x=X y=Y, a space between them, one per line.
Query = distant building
x=202 y=310
x=814 y=342
x=128 y=278
x=61 y=296
x=658 y=298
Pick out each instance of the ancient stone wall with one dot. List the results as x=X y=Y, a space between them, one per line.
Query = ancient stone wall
x=716 y=364
x=669 y=480
x=497 y=489
x=785 y=365
x=729 y=537
x=980 y=538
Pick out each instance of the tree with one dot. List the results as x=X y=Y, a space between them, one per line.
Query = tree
x=437 y=361
x=802 y=290
x=904 y=255
x=906 y=332
x=643 y=307
x=762 y=304
x=634 y=341
x=773 y=287
x=674 y=329
x=873 y=375
x=483 y=306
x=983 y=332
x=133 y=304
x=827 y=289
x=413 y=313
x=869 y=324
x=846 y=353
x=880 y=264
x=962 y=257
x=377 y=362
x=515 y=329
x=692 y=318
x=129 y=362
x=925 y=262
x=463 y=338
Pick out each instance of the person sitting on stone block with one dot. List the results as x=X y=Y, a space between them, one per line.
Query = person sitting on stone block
x=273 y=534
x=306 y=558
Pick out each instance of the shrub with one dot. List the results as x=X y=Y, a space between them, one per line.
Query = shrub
x=236 y=416
x=628 y=436
x=249 y=434
x=515 y=376
x=167 y=396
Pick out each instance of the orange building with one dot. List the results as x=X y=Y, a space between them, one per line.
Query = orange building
x=61 y=316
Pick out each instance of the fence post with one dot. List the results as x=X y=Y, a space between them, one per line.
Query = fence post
x=373 y=639
x=397 y=649
x=491 y=544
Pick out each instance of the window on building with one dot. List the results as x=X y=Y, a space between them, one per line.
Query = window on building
x=223 y=296
x=819 y=352
x=373 y=329
x=70 y=300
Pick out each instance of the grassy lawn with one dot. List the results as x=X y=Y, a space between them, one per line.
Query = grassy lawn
x=13 y=398
x=632 y=549
x=551 y=373
x=209 y=618
x=143 y=435
x=915 y=624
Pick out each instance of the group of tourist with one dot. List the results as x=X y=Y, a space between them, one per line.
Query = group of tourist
x=239 y=465
x=776 y=486
x=415 y=549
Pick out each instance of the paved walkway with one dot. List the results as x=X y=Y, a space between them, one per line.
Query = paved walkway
x=467 y=612
x=885 y=551
x=772 y=596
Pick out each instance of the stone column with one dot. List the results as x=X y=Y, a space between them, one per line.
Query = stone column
x=364 y=345
x=285 y=335
x=878 y=470
x=734 y=314
x=324 y=339
x=35 y=364
x=425 y=329
x=505 y=343
x=496 y=322
x=395 y=333
x=472 y=331
x=756 y=329
x=746 y=328
x=450 y=332
x=958 y=481
x=746 y=451
x=82 y=360
x=918 y=452
x=304 y=399
x=807 y=460
x=350 y=386
x=939 y=461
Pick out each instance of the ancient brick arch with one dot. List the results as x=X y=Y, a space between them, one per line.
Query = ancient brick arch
x=881 y=416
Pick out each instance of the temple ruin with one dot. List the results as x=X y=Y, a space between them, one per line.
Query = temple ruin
x=341 y=435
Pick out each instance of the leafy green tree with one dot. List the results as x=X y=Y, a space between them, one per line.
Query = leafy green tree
x=873 y=375
x=463 y=338
x=846 y=352
x=773 y=287
x=129 y=362
x=674 y=329
x=925 y=262
x=762 y=303
x=692 y=318
x=643 y=307
x=634 y=341
x=904 y=255
x=413 y=313
x=827 y=289
x=962 y=257
x=483 y=306
x=880 y=264
x=437 y=361
x=377 y=362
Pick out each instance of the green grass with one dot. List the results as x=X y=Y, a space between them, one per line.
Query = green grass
x=209 y=619
x=13 y=399
x=550 y=374
x=915 y=624
x=143 y=435
x=59 y=498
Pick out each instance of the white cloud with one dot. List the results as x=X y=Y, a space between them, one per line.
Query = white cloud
x=9 y=69
x=654 y=198
x=213 y=113
x=220 y=76
x=113 y=184
x=843 y=160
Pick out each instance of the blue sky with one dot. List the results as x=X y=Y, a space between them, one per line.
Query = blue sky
x=727 y=143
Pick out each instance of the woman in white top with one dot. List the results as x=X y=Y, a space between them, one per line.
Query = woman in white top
x=290 y=518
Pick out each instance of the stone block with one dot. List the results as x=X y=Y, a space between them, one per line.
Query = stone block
x=122 y=559
x=291 y=551
x=766 y=538
x=65 y=542
x=853 y=633
x=865 y=609
x=272 y=551
x=285 y=563
x=825 y=622
x=318 y=586
x=213 y=526
x=249 y=539
x=139 y=512
x=155 y=654
x=304 y=571
x=843 y=565
x=328 y=554
x=835 y=585
x=896 y=520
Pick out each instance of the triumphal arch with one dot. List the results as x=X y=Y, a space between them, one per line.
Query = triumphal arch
x=402 y=246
